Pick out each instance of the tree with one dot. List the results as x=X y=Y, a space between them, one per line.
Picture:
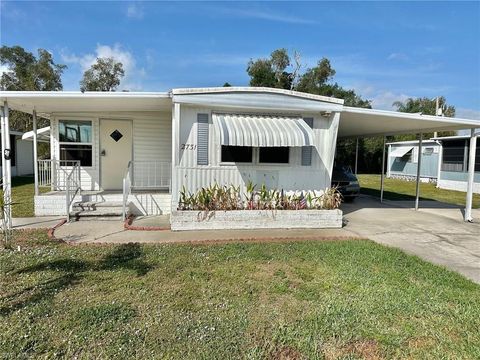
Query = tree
x=25 y=72
x=273 y=72
x=227 y=84
x=104 y=75
x=425 y=106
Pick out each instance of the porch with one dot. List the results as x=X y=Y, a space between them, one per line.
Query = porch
x=61 y=189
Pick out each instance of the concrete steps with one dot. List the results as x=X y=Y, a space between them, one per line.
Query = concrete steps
x=93 y=210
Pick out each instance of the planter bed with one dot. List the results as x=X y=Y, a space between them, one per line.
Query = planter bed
x=255 y=219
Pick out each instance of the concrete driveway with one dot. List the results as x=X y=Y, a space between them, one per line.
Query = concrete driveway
x=436 y=233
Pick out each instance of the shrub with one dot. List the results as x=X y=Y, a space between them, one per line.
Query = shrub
x=225 y=197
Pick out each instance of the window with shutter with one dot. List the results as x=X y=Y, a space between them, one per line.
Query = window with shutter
x=202 y=139
x=307 y=150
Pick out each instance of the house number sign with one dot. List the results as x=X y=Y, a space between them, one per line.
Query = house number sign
x=188 y=147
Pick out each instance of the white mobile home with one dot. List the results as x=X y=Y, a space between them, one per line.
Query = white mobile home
x=141 y=149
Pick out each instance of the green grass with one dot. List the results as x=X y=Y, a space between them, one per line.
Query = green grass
x=331 y=299
x=23 y=190
x=396 y=189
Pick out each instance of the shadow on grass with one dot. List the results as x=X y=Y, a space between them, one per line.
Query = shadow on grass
x=123 y=257
x=390 y=195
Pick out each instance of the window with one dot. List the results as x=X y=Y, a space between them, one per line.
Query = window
x=428 y=151
x=453 y=156
x=75 y=138
x=477 y=155
x=240 y=154
x=274 y=155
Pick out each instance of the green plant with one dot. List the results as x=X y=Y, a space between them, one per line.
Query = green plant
x=216 y=197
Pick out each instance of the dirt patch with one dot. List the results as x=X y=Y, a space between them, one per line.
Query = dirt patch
x=286 y=353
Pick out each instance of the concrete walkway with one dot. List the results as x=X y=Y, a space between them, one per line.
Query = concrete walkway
x=41 y=222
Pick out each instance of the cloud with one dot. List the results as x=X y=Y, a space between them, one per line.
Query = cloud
x=467 y=113
x=397 y=56
x=266 y=15
x=135 y=11
x=133 y=74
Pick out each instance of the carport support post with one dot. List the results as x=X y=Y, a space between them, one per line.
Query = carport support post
x=471 y=176
x=35 y=152
x=7 y=178
x=356 y=158
x=419 y=165
x=382 y=177
x=3 y=146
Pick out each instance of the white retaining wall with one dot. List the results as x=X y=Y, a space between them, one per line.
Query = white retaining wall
x=256 y=219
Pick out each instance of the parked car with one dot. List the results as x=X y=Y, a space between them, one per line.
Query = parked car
x=346 y=182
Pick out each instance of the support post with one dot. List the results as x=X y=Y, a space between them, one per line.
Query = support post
x=35 y=152
x=471 y=176
x=419 y=166
x=7 y=180
x=3 y=148
x=356 y=158
x=382 y=178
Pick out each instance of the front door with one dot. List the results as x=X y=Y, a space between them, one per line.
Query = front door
x=115 y=152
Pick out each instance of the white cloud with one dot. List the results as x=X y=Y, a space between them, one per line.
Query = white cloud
x=467 y=113
x=133 y=74
x=397 y=56
x=267 y=14
x=135 y=11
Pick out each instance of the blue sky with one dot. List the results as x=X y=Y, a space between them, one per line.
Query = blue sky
x=386 y=51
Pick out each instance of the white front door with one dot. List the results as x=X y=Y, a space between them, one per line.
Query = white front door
x=115 y=152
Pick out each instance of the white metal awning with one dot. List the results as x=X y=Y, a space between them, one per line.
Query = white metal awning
x=43 y=134
x=400 y=151
x=262 y=130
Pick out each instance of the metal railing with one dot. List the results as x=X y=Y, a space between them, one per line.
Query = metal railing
x=145 y=175
x=151 y=174
x=54 y=173
x=127 y=189
x=72 y=187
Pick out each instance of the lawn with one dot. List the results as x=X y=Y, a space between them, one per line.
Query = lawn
x=316 y=299
x=23 y=191
x=396 y=189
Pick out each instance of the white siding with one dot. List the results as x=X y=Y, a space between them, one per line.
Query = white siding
x=152 y=140
x=293 y=176
x=24 y=158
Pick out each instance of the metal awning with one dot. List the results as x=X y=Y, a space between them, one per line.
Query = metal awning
x=262 y=130
x=400 y=151
x=43 y=135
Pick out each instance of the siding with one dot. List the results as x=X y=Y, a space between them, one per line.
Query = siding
x=429 y=167
x=151 y=141
x=292 y=176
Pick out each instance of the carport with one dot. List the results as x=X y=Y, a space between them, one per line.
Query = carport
x=360 y=123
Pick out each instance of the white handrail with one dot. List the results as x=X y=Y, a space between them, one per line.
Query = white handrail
x=127 y=189
x=72 y=182
x=53 y=173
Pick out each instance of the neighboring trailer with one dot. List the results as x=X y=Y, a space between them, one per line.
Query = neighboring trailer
x=444 y=161
x=21 y=153
x=403 y=160
x=454 y=164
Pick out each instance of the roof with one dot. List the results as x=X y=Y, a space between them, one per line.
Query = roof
x=47 y=102
x=359 y=122
x=252 y=89
x=354 y=122
x=412 y=142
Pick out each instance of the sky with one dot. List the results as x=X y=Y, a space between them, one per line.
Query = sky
x=385 y=51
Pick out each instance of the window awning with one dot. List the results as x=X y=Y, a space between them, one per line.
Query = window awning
x=400 y=151
x=262 y=130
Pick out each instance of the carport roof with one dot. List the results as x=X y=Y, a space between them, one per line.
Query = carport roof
x=359 y=122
